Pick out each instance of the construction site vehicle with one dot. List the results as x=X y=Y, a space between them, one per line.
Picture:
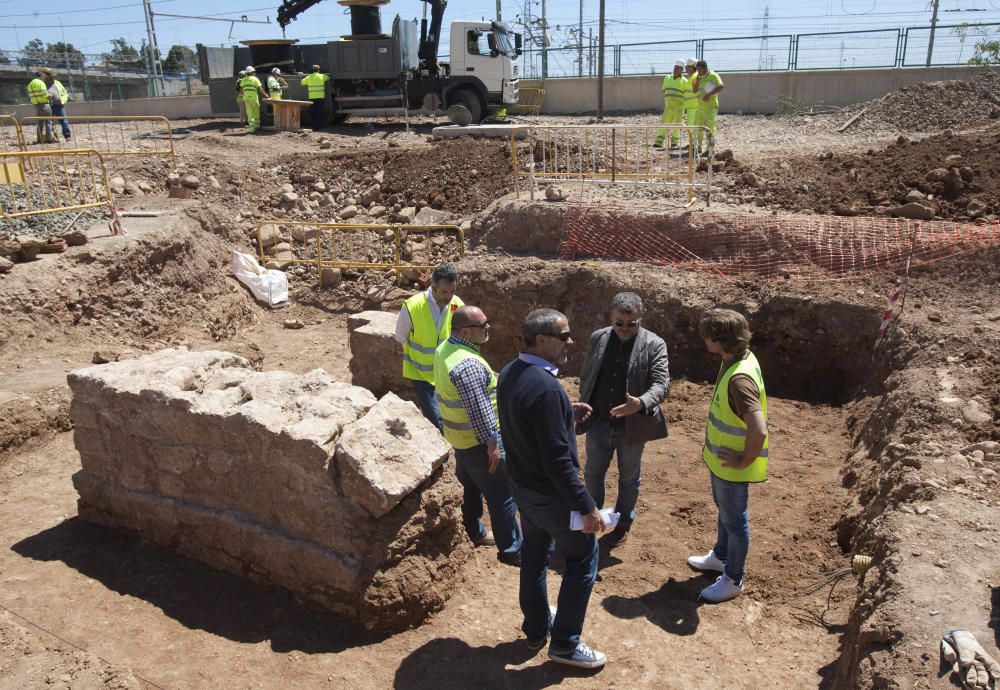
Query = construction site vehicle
x=372 y=74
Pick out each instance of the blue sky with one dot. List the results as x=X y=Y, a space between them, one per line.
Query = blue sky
x=90 y=24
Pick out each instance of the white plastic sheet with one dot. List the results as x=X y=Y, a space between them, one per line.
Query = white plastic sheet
x=267 y=285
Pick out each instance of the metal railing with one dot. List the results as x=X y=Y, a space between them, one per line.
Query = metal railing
x=613 y=154
x=954 y=44
x=529 y=102
x=408 y=250
x=111 y=135
x=37 y=182
x=11 y=138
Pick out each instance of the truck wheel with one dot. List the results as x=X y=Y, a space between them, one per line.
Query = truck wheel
x=470 y=102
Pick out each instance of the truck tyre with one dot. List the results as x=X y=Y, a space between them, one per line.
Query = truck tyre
x=470 y=102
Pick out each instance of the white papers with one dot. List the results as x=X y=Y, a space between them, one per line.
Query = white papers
x=609 y=515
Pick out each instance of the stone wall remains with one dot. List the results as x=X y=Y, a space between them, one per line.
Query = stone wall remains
x=298 y=480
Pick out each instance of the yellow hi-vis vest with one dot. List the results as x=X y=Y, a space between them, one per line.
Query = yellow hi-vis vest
x=274 y=88
x=63 y=93
x=317 y=85
x=458 y=430
x=423 y=340
x=250 y=84
x=675 y=89
x=690 y=97
x=726 y=430
x=38 y=92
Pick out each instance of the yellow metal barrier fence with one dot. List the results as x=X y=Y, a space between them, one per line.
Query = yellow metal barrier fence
x=126 y=135
x=37 y=182
x=613 y=154
x=11 y=138
x=404 y=249
x=529 y=102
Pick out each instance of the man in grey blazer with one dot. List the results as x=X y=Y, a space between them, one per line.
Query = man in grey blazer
x=625 y=377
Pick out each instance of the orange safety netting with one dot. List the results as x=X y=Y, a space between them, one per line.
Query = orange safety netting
x=768 y=246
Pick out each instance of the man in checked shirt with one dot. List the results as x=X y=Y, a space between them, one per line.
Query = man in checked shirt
x=465 y=386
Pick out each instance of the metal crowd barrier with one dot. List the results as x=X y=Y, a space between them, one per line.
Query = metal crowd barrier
x=111 y=135
x=529 y=102
x=612 y=154
x=400 y=248
x=11 y=137
x=37 y=182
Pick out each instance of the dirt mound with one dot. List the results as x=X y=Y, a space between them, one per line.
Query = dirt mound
x=875 y=182
x=933 y=106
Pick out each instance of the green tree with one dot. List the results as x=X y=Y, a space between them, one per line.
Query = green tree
x=986 y=53
x=33 y=54
x=62 y=53
x=4 y=59
x=180 y=60
x=123 y=55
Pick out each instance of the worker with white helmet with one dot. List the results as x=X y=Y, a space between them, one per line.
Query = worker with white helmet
x=675 y=88
x=275 y=84
x=690 y=99
x=253 y=91
x=239 y=97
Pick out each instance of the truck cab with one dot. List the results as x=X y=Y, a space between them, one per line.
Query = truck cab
x=483 y=60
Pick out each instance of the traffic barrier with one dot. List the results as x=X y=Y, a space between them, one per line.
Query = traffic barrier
x=613 y=154
x=529 y=102
x=37 y=182
x=408 y=250
x=125 y=135
x=11 y=138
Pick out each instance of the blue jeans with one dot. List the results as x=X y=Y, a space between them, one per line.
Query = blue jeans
x=545 y=524
x=60 y=111
x=603 y=440
x=472 y=469
x=733 y=541
x=427 y=402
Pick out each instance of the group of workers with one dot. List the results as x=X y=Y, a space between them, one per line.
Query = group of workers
x=514 y=435
x=691 y=97
x=249 y=91
x=49 y=97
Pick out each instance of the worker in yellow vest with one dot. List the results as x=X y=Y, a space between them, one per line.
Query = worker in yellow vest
x=58 y=97
x=38 y=93
x=707 y=86
x=466 y=389
x=239 y=97
x=316 y=82
x=275 y=84
x=424 y=322
x=253 y=91
x=690 y=98
x=735 y=450
x=675 y=87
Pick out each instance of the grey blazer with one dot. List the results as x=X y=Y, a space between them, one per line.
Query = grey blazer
x=648 y=378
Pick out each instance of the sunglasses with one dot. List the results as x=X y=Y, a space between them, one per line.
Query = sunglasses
x=630 y=324
x=484 y=324
x=564 y=336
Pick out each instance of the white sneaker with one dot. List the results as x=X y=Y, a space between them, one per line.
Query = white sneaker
x=581 y=657
x=708 y=563
x=724 y=589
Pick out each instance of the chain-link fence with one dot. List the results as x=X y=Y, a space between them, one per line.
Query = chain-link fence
x=954 y=44
x=90 y=77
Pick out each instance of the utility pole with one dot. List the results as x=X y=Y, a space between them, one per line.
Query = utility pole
x=930 y=44
x=69 y=71
x=499 y=19
x=762 y=60
x=579 y=43
x=600 y=65
x=545 y=45
x=154 y=67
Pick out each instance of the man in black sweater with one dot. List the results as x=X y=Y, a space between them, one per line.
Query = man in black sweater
x=537 y=427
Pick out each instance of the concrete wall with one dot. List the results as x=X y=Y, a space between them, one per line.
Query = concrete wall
x=174 y=108
x=747 y=92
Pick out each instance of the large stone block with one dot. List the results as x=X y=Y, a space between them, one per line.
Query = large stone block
x=375 y=365
x=300 y=480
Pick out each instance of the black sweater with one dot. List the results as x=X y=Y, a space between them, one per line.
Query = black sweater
x=536 y=424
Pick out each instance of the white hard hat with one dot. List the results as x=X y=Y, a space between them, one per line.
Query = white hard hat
x=276 y=71
x=691 y=62
x=679 y=63
x=249 y=69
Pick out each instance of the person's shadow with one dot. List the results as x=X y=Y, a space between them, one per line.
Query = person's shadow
x=673 y=607
x=452 y=663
